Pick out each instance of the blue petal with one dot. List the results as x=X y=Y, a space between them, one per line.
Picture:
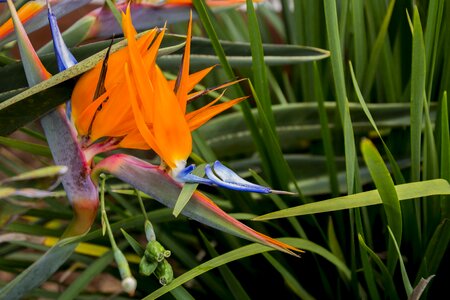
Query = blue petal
x=185 y=175
x=229 y=179
x=64 y=58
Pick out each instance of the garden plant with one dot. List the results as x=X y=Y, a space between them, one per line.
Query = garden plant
x=224 y=149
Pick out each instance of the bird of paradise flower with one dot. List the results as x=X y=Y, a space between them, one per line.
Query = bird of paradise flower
x=135 y=107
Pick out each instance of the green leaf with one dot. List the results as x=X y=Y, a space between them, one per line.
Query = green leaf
x=360 y=38
x=244 y=252
x=387 y=277
x=369 y=75
x=341 y=93
x=38 y=272
x=79 y=284
x=228 y=134
x=258 y=65
x=187 y=191
x=288 y=278
x=38 y=173
x=25 y=146
x=386 y=189
x=137 y=247
x=6 y=192
x=395 y=168
x=445 y=153
x=326 y=133
x=232 y=282
x=406 y=282
x=436 y=249
x=333 y=243
x=404 y=192
x=418 y=79
x=281 y=205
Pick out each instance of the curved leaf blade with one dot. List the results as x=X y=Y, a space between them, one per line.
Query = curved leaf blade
x=404 y=191
x=245 y=252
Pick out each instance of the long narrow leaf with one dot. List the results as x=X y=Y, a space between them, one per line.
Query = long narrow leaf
x=404 y=192
x=341 y=94
x=241 y=253
x=388 y=195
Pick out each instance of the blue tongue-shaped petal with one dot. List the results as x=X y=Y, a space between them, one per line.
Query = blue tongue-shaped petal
x=64 y=57
x=227 y=178
x=224 y=177
x=185 y=175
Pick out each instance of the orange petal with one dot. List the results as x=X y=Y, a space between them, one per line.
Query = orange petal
x=171 y=130
x=83 y=93
x=142 y=81
x=116 y=116
x=134 y=140
x=194 y=78
x=84 y=120
x=26 y=12
x=151 y=55
x=201 y=116
x=138 y=117
x=181 y=85
x=198 y=94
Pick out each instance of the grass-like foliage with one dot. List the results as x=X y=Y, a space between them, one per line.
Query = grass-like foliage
x=347 y=109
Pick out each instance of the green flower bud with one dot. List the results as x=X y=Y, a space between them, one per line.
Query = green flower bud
x=149 y=232
x=129 y=285
x=122 y=263
x=155 y=251
x=128 y=281
x=147 y=267
x=164 y=272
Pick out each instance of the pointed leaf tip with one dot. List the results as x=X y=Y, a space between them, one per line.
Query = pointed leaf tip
x=34 y=69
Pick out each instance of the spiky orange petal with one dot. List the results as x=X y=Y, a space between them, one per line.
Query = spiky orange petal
x=181 y=84
x=171 y=129
x=147 y=135
x=26 y=12
x=144 y=85
x=84 y=119
x=203 y=115
x=134 y=140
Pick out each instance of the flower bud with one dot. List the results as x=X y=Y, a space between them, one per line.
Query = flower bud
x=155 y=251
x=129 y=285
x=149 y=232
x=164 y=272
x=147 y=267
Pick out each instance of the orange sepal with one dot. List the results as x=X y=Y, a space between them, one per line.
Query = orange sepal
x=198 y=94
x=134 y=140
x=138 y=117
x=181 y=84
x=83 y=93
x=201 y=116
x=85 y=119
x=171 y=130
x=26 y=12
